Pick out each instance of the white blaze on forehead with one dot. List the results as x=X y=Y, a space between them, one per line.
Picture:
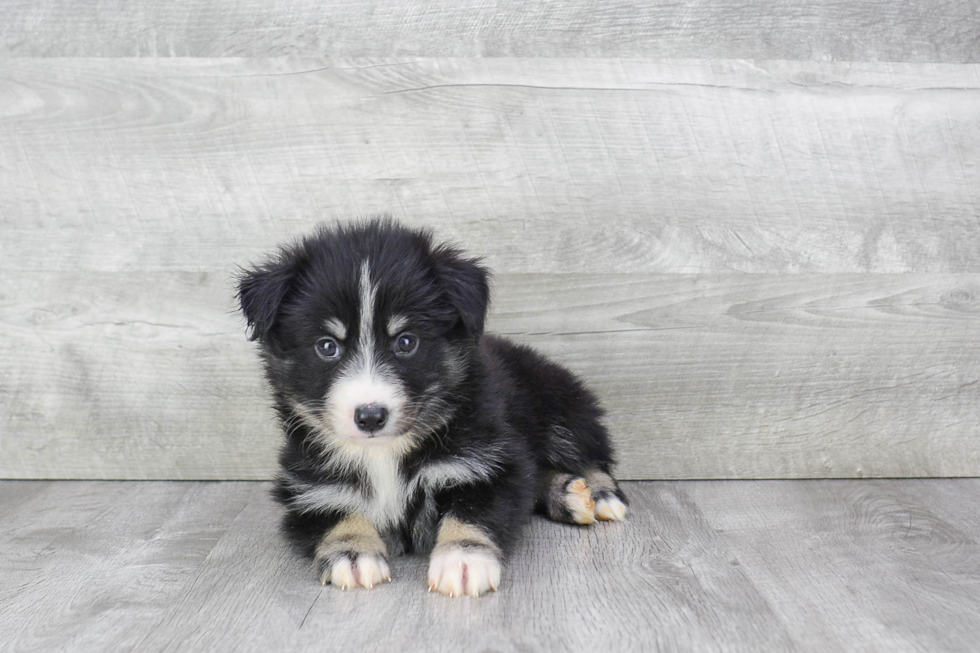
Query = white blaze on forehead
x=366 y=326
x=364 y=380
x=335 y=328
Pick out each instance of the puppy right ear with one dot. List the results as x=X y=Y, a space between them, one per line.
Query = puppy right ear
x=467 y=286
x=261 y=291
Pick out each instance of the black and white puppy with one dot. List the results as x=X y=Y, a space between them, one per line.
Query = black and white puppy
x=407 y=428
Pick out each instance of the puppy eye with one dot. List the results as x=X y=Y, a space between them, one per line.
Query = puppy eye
x=327 y=349
x=406 y=344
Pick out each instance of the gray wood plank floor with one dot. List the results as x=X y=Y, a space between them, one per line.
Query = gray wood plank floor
x=700 y=565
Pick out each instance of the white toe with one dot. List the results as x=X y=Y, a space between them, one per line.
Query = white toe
x=455 y=571
x=365 y=571
x=342 y=574
x=610 y=509
x=371 y=570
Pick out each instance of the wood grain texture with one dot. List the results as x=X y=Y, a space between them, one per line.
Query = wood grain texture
x=622 y=199
x=860 y=30
x=88 y=564
x=542 y=165
x=707 y=566
x=587 y=587
x=113 y=375
x=955 y=503
x=860 y=561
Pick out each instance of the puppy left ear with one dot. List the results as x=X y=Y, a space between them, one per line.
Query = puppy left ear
x=467 y=286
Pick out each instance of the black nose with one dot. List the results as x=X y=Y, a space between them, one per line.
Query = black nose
x=371 y=418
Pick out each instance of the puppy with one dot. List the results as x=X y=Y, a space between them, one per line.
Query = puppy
x=406 y=428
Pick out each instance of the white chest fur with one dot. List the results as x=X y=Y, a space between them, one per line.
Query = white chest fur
x=382 y=496
x=386 y=495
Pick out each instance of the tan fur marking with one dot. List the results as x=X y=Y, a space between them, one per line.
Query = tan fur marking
x=452 y=530
x=465 y=561
x=355 y=533
x=395 y=324
x=336 y=328
x=578 y=501
x=579 y=486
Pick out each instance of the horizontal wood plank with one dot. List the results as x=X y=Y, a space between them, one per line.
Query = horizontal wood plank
x=87 y=564
x=640 y=591
x=857 y=30
x=856 y=561
x=706 y=566
x=540 y=165
x=124 y=375
x=954 y=503
x=618 y=196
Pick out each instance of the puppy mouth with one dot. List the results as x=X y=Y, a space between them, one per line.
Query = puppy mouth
x=379 y=436
x=380 y=439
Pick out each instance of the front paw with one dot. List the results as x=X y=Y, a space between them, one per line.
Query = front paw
x=471 y=569
x=349 y=569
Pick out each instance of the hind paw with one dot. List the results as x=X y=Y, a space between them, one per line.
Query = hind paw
x=568 y=499
x=581 y=500
x=610 y=508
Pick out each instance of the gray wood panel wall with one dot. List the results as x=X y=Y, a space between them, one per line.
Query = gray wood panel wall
x=754 y=228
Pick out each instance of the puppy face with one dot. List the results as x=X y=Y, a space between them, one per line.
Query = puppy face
x=366 y=330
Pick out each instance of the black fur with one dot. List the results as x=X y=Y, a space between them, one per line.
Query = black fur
x=479 y=400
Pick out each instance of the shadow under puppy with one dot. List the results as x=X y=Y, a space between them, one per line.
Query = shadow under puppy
x=406 y=428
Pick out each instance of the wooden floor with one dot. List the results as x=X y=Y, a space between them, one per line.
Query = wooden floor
x=700 y=565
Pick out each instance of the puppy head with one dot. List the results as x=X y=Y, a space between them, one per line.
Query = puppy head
x=366 y=330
